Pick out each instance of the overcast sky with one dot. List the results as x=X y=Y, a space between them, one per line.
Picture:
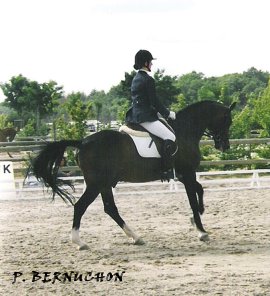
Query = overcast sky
x=90 y=44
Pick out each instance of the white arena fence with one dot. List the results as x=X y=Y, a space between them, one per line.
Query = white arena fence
x=211 y=181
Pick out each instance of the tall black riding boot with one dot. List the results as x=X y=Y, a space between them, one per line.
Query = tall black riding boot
x=169 y=149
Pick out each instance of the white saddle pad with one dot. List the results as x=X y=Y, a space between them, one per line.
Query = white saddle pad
x=142 y=141
x=145 y=148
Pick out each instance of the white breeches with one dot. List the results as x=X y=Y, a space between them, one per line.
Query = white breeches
x=158 y=129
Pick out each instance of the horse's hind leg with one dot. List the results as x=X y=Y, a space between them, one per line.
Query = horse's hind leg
x=111 y=209
x=80 y=207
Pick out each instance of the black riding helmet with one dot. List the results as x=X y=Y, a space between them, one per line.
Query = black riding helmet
x=142 y=56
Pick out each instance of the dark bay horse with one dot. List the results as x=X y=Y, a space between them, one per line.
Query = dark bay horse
x=7 y=134
x=110 y=156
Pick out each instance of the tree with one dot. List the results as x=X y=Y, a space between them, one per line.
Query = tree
x=122 y=110
x=179 y=104
x=205 y=93
x=242 y=87
x=189 y=85
x=262 y=111
x=73 y=125
x=166 y=89
x=119 y=97
x=4 y=121
x=242 y=124
x=122 y=90
x=11 y=114
x=30 y=98
x=98 y=101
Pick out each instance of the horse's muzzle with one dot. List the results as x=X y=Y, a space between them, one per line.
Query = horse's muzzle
x=222 y=146
x=221 y=141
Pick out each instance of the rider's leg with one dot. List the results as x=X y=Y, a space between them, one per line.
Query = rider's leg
x=158 y=129
x=168 y=150
x=169 y=146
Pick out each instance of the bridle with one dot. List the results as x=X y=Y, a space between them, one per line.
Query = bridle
x=212 y=135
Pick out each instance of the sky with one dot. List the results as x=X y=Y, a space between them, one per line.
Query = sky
x=90 y=44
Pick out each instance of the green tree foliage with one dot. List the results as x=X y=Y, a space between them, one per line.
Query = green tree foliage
x=205 y=93
x=262 y=111
x=188 y=85
x=166 y=89
x=241 y=87
x=112 y=105
x=122 y=90
x=31 y=99
x=122 y=110
x=119 y=98
x=242 y=123
x=72 y=124
x=37 y=101
x=179 y=104
x=10 y=113
x=98 y=100
x=4 y=121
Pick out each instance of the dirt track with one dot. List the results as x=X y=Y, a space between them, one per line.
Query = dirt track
x=35 y=236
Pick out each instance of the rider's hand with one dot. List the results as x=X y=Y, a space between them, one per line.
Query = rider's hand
x=172 y=115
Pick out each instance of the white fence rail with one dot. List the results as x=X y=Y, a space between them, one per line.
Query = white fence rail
x=217 y=180
x=211 y=181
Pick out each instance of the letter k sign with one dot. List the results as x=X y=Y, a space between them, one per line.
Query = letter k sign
x=7 y=181
x=6 y=168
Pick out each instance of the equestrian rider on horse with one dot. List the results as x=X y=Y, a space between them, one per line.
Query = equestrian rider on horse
x=145 y=109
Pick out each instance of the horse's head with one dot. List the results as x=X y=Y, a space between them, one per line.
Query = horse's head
x=219 y=126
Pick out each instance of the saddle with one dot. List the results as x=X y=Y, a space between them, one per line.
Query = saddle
x=147 y=144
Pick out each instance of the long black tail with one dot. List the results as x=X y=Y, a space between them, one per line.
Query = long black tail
x=46 y=166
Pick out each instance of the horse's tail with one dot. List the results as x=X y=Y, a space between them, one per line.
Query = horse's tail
x=46 y=166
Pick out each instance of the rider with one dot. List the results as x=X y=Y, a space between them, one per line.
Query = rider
x=145 y=109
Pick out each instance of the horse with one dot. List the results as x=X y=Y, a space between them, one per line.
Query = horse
x=7 y=135
x=109 y=156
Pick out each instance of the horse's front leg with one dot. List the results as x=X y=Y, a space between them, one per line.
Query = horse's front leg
x=192 y=188
x=80 y=207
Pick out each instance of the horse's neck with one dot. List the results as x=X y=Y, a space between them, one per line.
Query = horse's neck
x=192 y=126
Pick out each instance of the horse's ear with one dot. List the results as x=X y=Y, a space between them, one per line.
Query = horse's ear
x=232 y=106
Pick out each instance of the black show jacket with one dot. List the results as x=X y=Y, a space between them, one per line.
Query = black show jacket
x=145 y=104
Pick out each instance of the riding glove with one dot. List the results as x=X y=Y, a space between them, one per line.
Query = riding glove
x=172 y=115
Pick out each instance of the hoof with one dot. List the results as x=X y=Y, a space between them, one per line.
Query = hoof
x=204 y=237
x=83 y=247
x=201 y=210
x=139 y=242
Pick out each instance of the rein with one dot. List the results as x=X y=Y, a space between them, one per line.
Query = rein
x=209 y=134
